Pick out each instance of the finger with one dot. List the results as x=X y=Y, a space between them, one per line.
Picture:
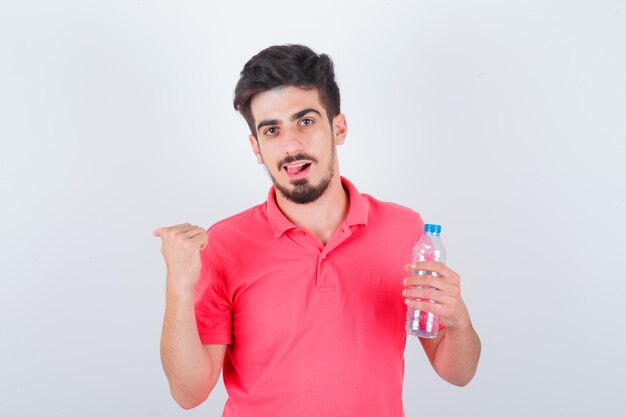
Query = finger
x=182 y=228
x=193 y=232
x=431 y=266
x=424 y=294
x=448 y=288
x=425 y=280
x=432 y=293
x=424 y=306
x=179 y=225
x=177 y=230
x=201 y=240
x=195 y=237
x=161 y=230
x=444 y=291
x=439 y=270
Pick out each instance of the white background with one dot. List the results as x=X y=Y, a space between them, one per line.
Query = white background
x=505 y=121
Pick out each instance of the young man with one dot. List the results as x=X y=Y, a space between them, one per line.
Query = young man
x=302 y=299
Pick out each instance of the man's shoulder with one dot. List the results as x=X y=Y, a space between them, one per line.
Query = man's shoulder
x=387 y=220
x=252 y=217
x=386 y=209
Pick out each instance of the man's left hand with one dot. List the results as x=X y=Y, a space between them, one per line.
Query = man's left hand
x=444 y=290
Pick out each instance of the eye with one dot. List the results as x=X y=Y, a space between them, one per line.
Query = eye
x=306 y=122
x=271 y=131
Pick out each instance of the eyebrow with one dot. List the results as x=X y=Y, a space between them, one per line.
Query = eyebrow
x=293 y=117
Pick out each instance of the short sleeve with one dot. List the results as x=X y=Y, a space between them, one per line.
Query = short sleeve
x=212 y=305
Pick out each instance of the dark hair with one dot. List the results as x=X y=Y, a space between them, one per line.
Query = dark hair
x=283 y=66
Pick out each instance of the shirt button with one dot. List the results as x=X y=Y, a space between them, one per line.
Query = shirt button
x=301 y=232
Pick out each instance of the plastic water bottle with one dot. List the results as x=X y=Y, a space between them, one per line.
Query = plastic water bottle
x=428 y=248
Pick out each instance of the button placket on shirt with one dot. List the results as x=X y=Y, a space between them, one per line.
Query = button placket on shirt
x=325 y=270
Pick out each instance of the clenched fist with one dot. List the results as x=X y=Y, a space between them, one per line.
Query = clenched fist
x=181 y=246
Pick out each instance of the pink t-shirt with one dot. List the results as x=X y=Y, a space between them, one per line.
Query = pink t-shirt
x=312 y=330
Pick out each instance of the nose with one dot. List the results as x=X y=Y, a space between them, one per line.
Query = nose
x=293 y=141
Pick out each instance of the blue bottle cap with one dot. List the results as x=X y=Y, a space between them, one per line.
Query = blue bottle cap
x=432 y=228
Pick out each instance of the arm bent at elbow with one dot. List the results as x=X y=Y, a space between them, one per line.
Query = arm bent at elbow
x=455 y=354
x=191 y=384
x=192 y=368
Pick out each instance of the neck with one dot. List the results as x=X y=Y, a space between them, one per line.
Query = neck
x=321 y=217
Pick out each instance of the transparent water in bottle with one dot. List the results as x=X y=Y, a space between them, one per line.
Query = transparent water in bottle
x=428 y=248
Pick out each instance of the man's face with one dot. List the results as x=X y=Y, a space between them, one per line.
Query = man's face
x=296 y=142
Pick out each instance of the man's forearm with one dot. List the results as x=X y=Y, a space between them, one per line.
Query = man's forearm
x=457 y=354
x=185 y=360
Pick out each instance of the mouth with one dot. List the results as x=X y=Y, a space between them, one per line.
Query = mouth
x=297 y=170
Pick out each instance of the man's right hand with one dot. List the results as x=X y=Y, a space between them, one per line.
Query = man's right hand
x=181 y=246
x=192 y=368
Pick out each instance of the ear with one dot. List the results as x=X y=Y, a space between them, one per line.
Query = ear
x=254 y=143
x=340 y=128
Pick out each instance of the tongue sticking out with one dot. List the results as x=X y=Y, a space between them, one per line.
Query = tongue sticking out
x=292 y=170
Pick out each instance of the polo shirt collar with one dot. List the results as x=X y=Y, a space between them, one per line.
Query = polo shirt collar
x=357 y=213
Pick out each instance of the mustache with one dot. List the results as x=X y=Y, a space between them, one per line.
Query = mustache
x=296 y=157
